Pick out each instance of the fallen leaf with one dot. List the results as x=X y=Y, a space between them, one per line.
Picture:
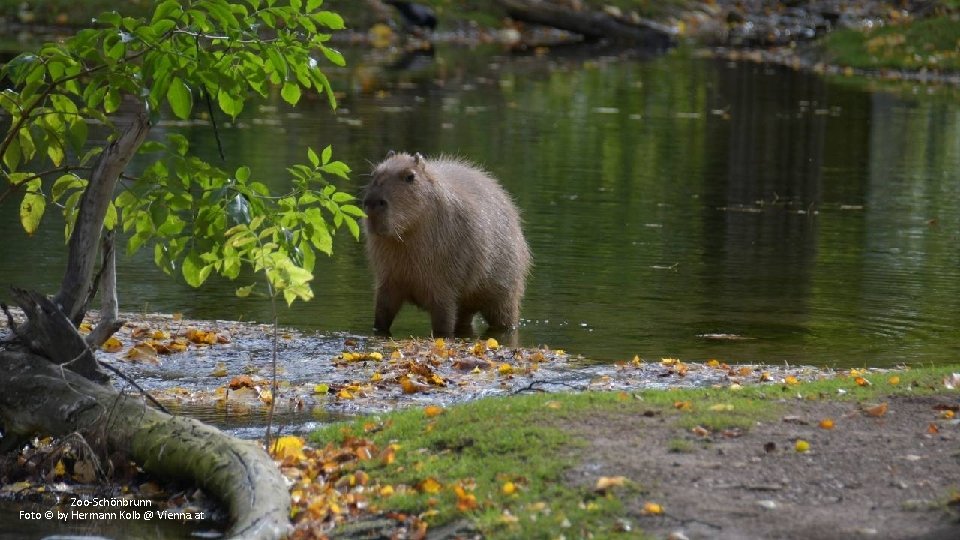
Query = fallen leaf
x=493 y=344
x=700 y=431
x=651 y=509
x=466 y=501
x=894 y=380
x=508 y=488
x=429 y=485
x=112 y=345
x=826 y=423
x=790 y=379
x=861 y=381
x=721 y=407
x=801 y=446
x=876 y=410
x=432 y=410
x=683 y=405
x=606 y=482
x=933 y=429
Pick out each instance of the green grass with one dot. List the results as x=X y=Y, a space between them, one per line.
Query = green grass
x=932 y=44
x=522 y=440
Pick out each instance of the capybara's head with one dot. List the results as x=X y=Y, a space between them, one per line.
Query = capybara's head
x=399 y=194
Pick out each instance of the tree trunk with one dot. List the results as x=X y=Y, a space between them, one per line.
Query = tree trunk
x=85 y=239
x=592 y=25
x=37 y=396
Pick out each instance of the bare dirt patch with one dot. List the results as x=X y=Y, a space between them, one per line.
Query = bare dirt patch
x=887 y=477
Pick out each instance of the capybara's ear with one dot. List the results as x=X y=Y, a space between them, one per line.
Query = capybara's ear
x=390 y=154
x=418 y=159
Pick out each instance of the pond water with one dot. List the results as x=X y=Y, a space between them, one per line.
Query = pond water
x=675 y=206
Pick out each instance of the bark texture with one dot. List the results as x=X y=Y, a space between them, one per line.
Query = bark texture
x=37 y=396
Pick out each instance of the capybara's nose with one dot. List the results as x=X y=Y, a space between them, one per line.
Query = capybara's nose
x=373 y=203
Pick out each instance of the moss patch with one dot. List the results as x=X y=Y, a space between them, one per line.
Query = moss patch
x=932 y=44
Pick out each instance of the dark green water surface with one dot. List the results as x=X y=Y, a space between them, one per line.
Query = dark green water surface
x=675 y=206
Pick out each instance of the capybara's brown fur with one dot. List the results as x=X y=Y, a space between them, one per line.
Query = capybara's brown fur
x=443 y=234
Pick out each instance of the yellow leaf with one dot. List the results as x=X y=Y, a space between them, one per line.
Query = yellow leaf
x=861 y=381
x=321 y=388
x=508 y=488
x=790 y=379
x=344 y=394
x=439 y=344
x=721 y=407
x=651 y=509
x=266 y=396
x=112 y=345
x=894 y=380
x=505 y=369
x=59 y=469
x=669 y=361
x=713 y=362
x=85 y=327
x=429 y=485
x=142 y=352
x=465 y=501
x=801 y=446
x=637 y=361
x=408 y=386
x=289 y=446
x=376 y=377
x=683 y=405
x=857 y=372
x=606 y=482
x=765 y=376
x=386 y=491
x=432 y=410
x=160 y=334
x=827 y=423
x=553 y=404
x=947 y=414
x=493 y=344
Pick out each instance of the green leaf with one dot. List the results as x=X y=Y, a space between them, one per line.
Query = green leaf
x=65 y=183
x=329 y=19
x=11 y=158
x=77 y=135
x=111 y=102
x=169 y=9
x=326 y=154
x=110 y=218
x=290 y=92
x=229 y=103
x=32 y=207
x=242 y=174
x=312 y=156
x=193 y=269
x=244 y=292
x=179 y=98
x=334 y=56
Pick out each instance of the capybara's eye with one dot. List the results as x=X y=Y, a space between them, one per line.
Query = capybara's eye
x=410 y=177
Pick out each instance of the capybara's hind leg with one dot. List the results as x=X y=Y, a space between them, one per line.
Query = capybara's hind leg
x=504 y=314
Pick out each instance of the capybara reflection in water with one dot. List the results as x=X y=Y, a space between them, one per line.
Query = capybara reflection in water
x=443 y=234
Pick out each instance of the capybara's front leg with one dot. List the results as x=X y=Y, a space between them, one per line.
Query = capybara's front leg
x=388 y=305
x=443 y=318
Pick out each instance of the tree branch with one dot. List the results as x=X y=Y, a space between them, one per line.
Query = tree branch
x=92 y=210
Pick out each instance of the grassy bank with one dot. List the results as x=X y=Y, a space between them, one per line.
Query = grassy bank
x=504 y=464
x=929 y=44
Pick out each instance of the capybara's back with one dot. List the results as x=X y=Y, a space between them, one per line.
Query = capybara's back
x=443 y=234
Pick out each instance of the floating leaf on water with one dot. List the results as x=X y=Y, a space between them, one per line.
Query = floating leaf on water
x=112 y=345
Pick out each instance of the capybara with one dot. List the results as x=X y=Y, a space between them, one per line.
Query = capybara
x=443 y=234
